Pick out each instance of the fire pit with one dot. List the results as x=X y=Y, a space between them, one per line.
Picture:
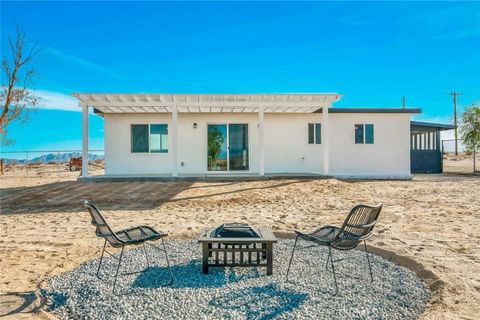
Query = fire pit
x=237 y=245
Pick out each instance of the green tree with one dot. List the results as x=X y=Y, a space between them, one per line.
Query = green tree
x=470 y=127
x=215 y=141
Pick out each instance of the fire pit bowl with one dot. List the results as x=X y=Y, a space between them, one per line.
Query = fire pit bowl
x=237 y=245
x=235 y=230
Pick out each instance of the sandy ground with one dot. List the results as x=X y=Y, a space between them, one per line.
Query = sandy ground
x=432 y=219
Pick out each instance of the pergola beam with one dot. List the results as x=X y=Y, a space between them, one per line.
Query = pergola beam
x=203 y=104
x=274 y=102
x=129 y=108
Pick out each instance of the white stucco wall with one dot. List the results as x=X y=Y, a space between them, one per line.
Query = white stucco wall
x=286 y=144
x=118 y=157
x=388 y=157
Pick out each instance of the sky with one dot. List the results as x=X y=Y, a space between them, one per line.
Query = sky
x=371 y=52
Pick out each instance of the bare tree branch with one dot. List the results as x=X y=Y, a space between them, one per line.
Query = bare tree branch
x=16 y=99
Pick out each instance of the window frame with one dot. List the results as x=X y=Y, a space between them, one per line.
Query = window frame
x=132 y=138
x=148 y=139
x=161 y=143
x=314 y=125
x=364 y=133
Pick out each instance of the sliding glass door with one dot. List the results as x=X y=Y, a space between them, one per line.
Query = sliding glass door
x=227 y=147
x=238 y=147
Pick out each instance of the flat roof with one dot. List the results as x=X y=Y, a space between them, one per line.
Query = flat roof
x=373 y=110
x=431 y=125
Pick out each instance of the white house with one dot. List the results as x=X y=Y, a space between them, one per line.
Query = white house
x=195 y=135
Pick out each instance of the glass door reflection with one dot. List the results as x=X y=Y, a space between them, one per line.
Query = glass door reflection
x=217 y=147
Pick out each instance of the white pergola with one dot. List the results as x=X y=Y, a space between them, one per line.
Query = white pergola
x=105 y=103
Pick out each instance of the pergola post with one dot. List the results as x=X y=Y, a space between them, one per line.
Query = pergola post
x=174 y=141
x=84 y=107
x=261 y=141
x=325 y=141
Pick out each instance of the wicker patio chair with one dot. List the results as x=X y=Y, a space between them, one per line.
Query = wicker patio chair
x=356 y=228
x=139 y=235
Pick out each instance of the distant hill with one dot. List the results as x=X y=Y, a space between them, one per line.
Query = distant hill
x=53 y=157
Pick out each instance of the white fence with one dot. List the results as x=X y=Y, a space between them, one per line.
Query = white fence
x=448 y=145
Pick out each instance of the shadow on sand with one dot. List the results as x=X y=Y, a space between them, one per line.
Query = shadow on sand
x=16 y=303
x=67 y=196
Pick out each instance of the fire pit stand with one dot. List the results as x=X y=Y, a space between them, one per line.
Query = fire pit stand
x=237 y=245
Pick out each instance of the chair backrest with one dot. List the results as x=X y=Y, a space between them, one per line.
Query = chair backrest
x=103 y=230
x=357 y=226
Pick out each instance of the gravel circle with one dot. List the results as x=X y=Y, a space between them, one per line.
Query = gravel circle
x=238 y=293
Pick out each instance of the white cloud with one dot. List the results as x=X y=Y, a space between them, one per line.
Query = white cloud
x=56 y=101
x=86 y=64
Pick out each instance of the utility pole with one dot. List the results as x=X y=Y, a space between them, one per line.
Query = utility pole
x=455 y=94
x=404 y=102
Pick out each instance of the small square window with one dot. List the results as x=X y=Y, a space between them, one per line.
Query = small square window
x=147 y=138
x=314 y=133
x=364 y=134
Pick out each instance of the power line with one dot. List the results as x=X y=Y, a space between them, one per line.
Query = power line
x=455 y=94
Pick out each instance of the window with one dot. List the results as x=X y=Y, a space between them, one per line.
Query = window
x=369 y=133
x=149 y=138
x=314 y=133
x=318 y=133
x=359 y=133
x=159 y=138
x=139 y=138
x=311 y=133
x=364 y=134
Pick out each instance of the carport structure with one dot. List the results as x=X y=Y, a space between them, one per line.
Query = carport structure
x=425 y=149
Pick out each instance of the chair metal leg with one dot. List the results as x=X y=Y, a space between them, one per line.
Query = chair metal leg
x=326 y=264
x=101 y=258
x=368 y=260
x=146 y=255
x=333 y=269
x=291 y=257
x=118 y=269
x=168 y=262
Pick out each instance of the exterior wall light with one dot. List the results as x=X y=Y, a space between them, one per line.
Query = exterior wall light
x=194 y=125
